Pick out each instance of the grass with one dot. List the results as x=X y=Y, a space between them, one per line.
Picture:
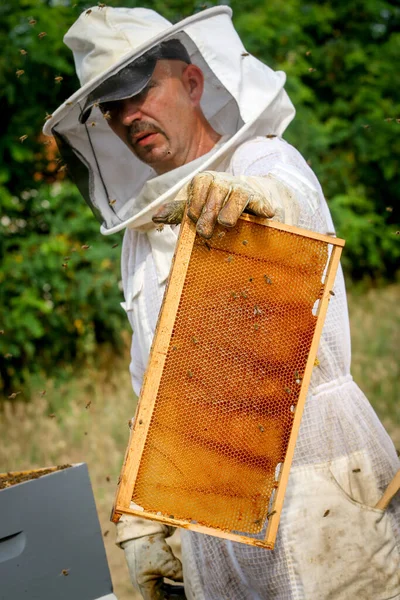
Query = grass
x=87 y=420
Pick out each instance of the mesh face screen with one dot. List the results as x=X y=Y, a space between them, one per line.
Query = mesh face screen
x=225 y=403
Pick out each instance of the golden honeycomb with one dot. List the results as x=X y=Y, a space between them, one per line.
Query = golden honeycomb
x=225 y=403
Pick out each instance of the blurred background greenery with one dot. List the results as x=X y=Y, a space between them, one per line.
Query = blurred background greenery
x=65 y=394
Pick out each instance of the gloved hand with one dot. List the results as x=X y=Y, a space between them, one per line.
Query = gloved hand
x=219 y=197
x=148 y=555
x=149 y=560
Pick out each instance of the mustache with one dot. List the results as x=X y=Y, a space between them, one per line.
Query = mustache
x=138 y=127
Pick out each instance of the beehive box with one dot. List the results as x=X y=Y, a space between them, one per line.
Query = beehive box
x=51 y=545
x=224 y=390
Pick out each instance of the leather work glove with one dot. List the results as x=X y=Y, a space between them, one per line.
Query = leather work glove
x=149 y=557
x=214 y=197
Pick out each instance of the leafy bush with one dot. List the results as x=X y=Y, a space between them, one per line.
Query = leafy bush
x=59 y=294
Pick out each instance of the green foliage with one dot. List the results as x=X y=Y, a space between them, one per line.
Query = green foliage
x=59 y=296
x=341 y=60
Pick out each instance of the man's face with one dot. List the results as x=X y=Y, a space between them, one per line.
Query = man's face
x=158 y=123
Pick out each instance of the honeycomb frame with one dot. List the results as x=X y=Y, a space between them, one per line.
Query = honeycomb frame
x=220 y=407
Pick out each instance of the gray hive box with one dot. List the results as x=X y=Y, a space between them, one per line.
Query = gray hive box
x=48 y=526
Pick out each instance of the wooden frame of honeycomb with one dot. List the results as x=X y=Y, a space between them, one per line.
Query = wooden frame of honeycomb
x=224 y=391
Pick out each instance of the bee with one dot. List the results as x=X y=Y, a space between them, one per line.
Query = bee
x=243 y=294
x=234 y=295
x=85 y=247
x=229 y=259
x=8 y=355
x=366 y=126
x=245 y=54
x=115 y=245
x=46 y=143
x=88 y=12
x=288 y=390
x=93 y=124
x=397 y=233
x=160 y=228
x=67 y=258
x=52 y=415
x=257 y=311
x=245 y=242
x=316 y=362
x=311 y=70
x=389 y=119
x=190 y=374
x=105 y=534
x=308 y=52
x=195 y=340
x=23 y=138
x=101 y=5
x=64 y=265
x=32 y=22
x=326 y=513
x=332 y=293
x=256 y=326
x=65 y=572
x=42 y=34
x=68 y=103
x=13 y=395
x=397 y=120
x=23 y=52
x=389 y=209
x=63 y=168
x=271 y=514
x=261 y=428
x=270 y=136
x=87 y=405
x=47 y=117
x=112 y=202
x=19 y=73
x=58 y=79
x=1 y=331
x=107 y=115
x=42 y=393
x=267 y=279
x=356 y=470
x=108 y=478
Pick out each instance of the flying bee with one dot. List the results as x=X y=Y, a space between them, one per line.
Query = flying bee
x=389 y=209
x=389 y=119
x=160 y=228
x=42 y=393
x=52 y=415
x=108 y=478
x=23 y=138
x=1 y=331
x=63 y=168
x=88 y=12
x=23 y=52
x=32 y=22
x=114 y=245
x=326 y=513
x=356 y=470
x=46 y=143
x=64 y=265
x=87 y=405
x=245 y=54
x=366 y=126
x=8 y=355
x=105 y=534
x=271 y=514
x=270 y=136
x=101 y=5
x=42 y=34
x=65 y=572
x=47 y=117
x=58 y=79
x=19 y=73
x=107 y=115
x=245 y=242
x=308 y=52
x=13 y=395
x=85 y=247
x=68 y=103
x=311 y=70
x=93 y=124
x=112 y=202
x=332 y=293
x=316 y=362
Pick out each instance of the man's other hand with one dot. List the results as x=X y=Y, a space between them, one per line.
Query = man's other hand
x=213 y=198
x=149 y=560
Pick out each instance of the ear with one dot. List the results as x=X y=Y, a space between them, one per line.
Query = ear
x=193 y=80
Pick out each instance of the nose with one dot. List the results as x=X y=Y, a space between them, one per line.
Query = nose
x=129 y=112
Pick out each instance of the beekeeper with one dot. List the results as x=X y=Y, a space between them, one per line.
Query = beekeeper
x=165 y=105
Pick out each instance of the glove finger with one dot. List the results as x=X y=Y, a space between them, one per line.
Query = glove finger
x=259 y=205
x=172 y=569
x=170 y=213
x=235 y=205
x=153 y=590
x=215 y=201
x=198 y=193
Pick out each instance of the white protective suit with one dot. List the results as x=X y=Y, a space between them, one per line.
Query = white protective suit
x=332 y=543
